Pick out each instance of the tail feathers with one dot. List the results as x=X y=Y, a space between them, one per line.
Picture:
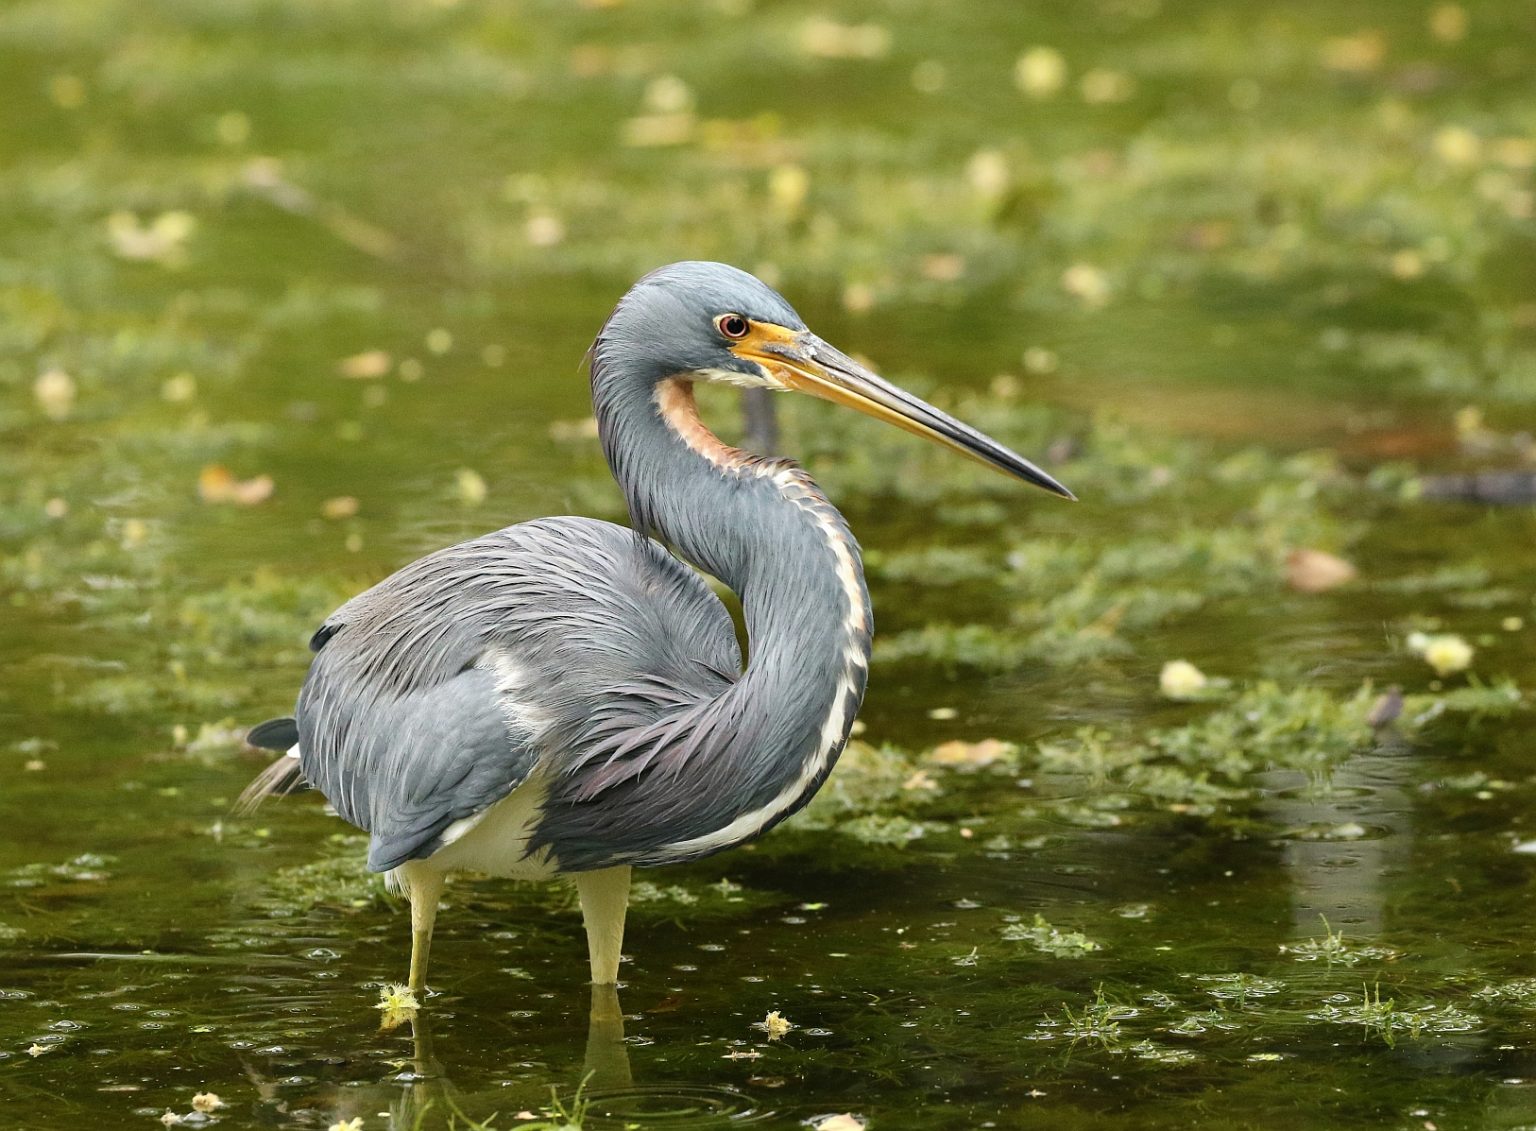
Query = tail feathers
x=274 y=734
x=279 y=779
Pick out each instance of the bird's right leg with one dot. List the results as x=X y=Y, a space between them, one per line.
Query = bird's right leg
x=604 y=900
x=424 y=885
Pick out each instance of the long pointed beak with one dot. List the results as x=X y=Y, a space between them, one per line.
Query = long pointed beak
x=807 y=364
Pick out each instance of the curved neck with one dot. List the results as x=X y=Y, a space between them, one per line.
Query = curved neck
x=765 y=529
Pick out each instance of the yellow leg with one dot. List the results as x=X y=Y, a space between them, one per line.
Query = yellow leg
x=424 y=885
x=604 y=900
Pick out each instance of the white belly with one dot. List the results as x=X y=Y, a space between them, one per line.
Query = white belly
x=495 y=840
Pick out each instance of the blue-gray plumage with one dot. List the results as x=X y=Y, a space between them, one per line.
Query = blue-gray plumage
x=567 y=696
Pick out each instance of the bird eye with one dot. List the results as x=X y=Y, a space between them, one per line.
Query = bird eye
x=732 y=326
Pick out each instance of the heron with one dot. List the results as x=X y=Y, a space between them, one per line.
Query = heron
x=567 y=696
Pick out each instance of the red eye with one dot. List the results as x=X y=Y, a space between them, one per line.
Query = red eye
x=732 y=326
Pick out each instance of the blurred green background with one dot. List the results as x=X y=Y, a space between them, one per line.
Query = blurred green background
x=291 y=292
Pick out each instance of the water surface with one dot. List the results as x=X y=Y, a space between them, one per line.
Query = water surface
x=1245 y=281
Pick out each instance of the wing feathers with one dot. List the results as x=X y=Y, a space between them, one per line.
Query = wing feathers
x=562 y=642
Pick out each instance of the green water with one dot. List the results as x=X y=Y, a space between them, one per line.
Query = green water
x=1233 y=281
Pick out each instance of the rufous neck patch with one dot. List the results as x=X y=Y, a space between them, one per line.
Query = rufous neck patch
x=675 y=402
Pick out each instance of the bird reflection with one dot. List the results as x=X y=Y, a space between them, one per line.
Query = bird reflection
x=429 y=1093
x=607 y=1059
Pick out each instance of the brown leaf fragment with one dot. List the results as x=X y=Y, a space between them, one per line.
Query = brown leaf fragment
x=824 y=38
x=1357 y=54
x=1317 y=571
x=970 y=755
x=920 y=780
x=845 y=1121
x=342 y=506
x=943 y=267
x=55 y=393
x=651 y=131
x=573 y=431
x=215 y=484
x=366 y=366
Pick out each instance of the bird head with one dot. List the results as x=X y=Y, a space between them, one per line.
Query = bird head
x=712 y=322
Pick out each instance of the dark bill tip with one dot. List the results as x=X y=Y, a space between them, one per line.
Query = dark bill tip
x=833 y=375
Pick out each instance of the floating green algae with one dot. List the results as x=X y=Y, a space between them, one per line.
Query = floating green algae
x=1048 y=939
x=339 y=879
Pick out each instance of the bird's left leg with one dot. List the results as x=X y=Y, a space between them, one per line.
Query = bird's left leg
x=604 y=900
x=424 y=885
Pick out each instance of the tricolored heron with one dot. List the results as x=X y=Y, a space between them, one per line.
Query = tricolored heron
x=566 y=696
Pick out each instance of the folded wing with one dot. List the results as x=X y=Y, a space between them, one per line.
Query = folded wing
x=439 y=691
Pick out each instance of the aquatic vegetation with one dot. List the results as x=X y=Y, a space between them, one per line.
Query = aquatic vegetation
x=1333 y=949
x=559 y=1115
x=1098 y=1022
x=338 y=879
x=1208 y=760
x=1236 y=990
x=1519 y=991
x=1498 y=699
x=1305 y=728
x=1461 y=576
x=397 y=1004
x=863 y=801
x=1162 y=1054
x=1206 y=767
x=696 y=901
x=877 y=829
x=87 y=868
x=1383 y=1019
x=1180 y=679
x=1075 y=600
x=1051 y=940
x=212 y=740
x=265 y=619
x=970 y=645
x=1207 y=764
x=775 y=1025
x=934 y=565
x=266 y=610
x=1446 y=652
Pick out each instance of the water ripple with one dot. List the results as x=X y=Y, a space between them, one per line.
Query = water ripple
x=676 y=1105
